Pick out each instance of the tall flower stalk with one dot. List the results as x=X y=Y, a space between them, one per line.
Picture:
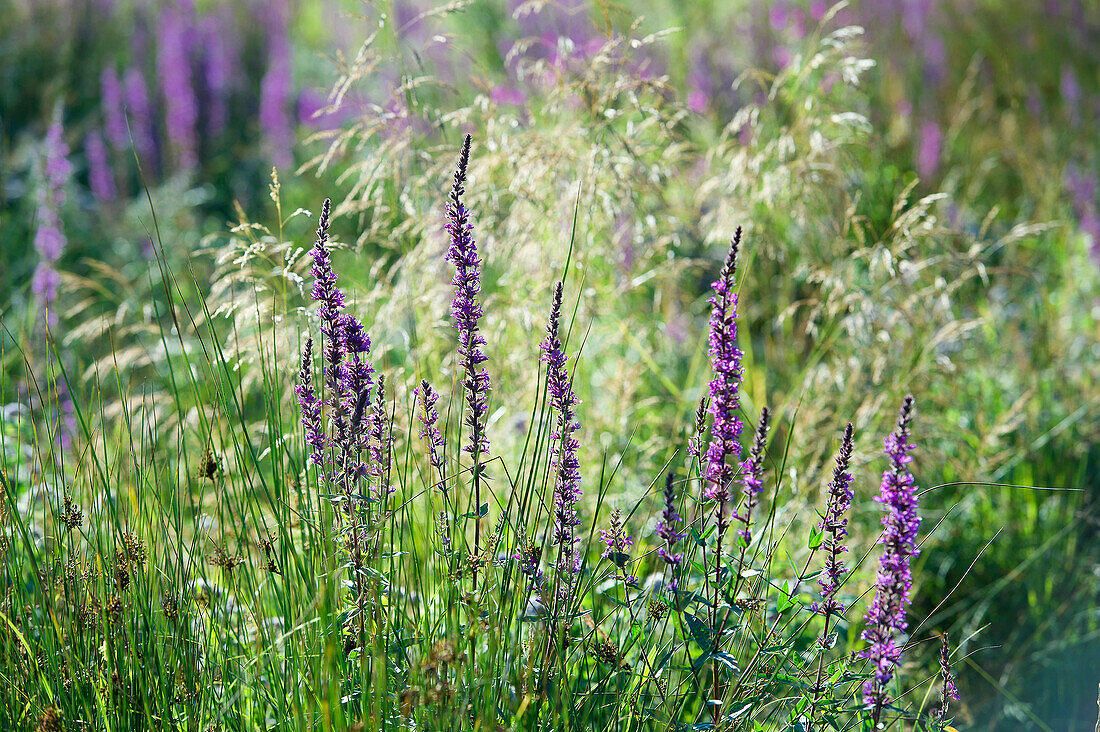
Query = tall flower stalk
x=834 y=528
x=886 y=616
x=345 y=398
x=356 y=377
x=752 y=482
x=428 y=415
x=466 y=311
x=310 y=407
x=725 y=359
x=563 y=455
x=668 y=529
x=948 y=690
x=724 y=448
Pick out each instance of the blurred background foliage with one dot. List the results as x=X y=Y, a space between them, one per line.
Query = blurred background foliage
x=918 y=181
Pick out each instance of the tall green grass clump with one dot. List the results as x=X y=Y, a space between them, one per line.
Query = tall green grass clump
x=345 y=569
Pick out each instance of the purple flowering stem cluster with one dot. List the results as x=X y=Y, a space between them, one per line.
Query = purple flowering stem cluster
x=886 y=616
x=667 y=529
x=948 y=690
x=752 y=483
x=310 y=407
x=354 y=427
x=466 y=311
x=427 y=398
x=346 y=386
x=725 y=359
x=616 y=544
x=834 y=527
x=563 y=453
x=724 y=448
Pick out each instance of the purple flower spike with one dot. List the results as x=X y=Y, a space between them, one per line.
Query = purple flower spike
x=276 y=88
x=381 y=442
x=429 y=417
x=49 y=239
x=667 y=530
x=616 y=542
x=141 y=116
x=352 y=336
x=330 y=300
x=174 y=69
x=310 y=407
x=218 y=68
x=114 y=115
x=886 y=616
x=100 y=176
x=834 y=526
x=725 y=359
x=563 y=450
x=695 y=442
x=356 y=381
x=614 y=538
x=948 y=691
x=751 y=470
x=466 y=310
x=528 y=556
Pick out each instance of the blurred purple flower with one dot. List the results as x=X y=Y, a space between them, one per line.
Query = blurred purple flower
x=45 y=282
x=798 y=24
x=276 y=89
x=218 y=65
x=174 y=70
x=914 y=16
x=1070 y=89
x=935 y=58
x=49 y=238
x=101 y=178
x=114 y=113
x=510 y=95
x=778 y=16
x=929 y=148
x=697 y=101
x=781 y=55
x=141 y=116
x=310 y=105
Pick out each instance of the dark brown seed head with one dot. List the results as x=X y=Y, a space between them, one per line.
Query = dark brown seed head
x=49 y=720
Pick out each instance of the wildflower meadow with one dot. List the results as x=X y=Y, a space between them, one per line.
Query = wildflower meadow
x=549 y=365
